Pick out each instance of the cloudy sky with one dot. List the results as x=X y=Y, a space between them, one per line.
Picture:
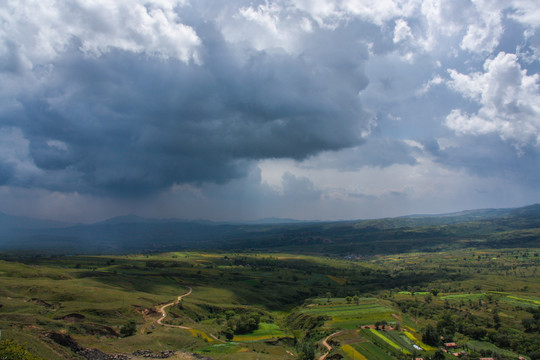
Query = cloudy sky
x=229 y=110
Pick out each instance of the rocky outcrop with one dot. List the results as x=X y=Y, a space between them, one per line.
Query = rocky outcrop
x=90 y=354
x=152 y=355
x=95 y=354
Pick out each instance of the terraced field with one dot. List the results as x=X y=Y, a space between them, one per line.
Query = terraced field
x=372 y=352
x=523 y=301
x=353 y=353
x=501 y=296
x=384 y=340
x=92 y=298
x=352 y=316
x=264 y=332
x=416 y=340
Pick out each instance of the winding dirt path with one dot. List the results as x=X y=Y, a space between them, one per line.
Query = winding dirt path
x=164 y=314
x=327 y=346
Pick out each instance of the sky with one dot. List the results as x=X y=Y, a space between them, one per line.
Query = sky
x=241 y=110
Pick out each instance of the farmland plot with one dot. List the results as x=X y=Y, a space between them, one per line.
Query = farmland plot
x=352 y=316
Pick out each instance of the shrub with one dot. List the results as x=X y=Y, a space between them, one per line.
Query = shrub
x=129 y=328
x=11 y=350
x=306 y=350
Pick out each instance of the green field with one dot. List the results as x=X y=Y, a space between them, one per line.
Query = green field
x=352 y=316
x=464 y=296
x=418 y=342
x=372 y=352
x=523 y=300
x=353 y=353
x=479 y=294
x=378 y=336
x=264 y=332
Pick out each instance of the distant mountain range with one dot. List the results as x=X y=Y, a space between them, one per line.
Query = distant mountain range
x=513 y=227
x=21 y=222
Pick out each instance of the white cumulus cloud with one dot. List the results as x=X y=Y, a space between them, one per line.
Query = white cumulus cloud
x=508 y=97
x=40 y=30
x=402 y=31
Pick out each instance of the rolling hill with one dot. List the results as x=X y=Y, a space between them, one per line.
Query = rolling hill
x=514 y=227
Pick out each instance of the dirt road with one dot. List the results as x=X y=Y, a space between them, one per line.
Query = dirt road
x=164 y=314
x=327 y=346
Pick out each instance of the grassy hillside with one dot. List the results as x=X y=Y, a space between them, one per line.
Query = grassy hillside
x=486 y=300
x=491 y=228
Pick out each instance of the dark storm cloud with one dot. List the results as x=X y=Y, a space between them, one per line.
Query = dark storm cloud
x=10 y=59
x=491 y=157
x=379 y=152
x=131 y=123
x=376 y=151
x=6 y=172
x=199 y=107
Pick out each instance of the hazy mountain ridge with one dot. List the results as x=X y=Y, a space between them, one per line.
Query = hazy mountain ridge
x=23 y=222
x=132 y=233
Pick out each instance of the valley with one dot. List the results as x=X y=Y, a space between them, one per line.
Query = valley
x=273 y=305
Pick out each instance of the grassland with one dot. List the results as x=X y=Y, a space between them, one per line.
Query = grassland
x=91 y=298
x=265 y=331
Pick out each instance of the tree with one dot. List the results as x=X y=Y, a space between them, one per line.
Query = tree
x=356 y=299
x=439 y=355
x=435 y=292
x=446 y=326
x=306 y=350
x=535 y=355
x=496 y=321
x=229 y=333
x=348 y=299
x=129 y=328
x=229 y=314
x=431 y=336
x=528 y=324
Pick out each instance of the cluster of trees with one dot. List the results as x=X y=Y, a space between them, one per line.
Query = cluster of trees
x=431 y=336
x=487 y=330
x=305 y=350
x=243 y=323
x=354 y=298
x=516 y=340
x=448 y=325
x=532 y=324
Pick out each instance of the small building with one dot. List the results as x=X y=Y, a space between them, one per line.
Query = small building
x=451 y=345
